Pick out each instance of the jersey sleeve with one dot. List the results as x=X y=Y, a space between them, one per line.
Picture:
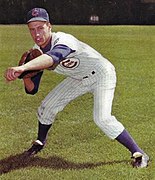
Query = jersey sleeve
x=59 y=52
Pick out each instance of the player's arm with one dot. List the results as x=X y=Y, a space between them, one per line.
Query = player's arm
x=29 y=85
x=59 y=53
x=32 y=84
x=45 y=61
x=42 y=62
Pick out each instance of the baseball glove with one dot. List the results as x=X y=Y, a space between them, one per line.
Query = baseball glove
x=26 y=57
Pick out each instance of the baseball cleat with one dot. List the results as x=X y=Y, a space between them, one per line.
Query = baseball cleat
x=140 y=160
x=36 y=147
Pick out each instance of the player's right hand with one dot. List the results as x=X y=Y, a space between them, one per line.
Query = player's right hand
x=12 y=73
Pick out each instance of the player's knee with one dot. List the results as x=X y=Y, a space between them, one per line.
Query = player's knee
x=99 y=121
x=46 y=115
x=104 y=121
x=107 y=122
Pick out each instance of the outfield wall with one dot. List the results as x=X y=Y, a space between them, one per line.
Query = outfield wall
x=108 y=12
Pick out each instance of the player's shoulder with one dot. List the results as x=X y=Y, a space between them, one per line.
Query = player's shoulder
x=62 y=35
x=63 y=38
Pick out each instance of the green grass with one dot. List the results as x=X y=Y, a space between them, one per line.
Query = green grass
x=76 y=148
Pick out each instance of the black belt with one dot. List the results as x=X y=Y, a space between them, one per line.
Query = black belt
x=93 y=72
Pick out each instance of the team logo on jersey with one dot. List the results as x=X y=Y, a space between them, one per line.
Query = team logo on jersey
x=71 y=63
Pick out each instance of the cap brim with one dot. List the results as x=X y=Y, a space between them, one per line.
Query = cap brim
x=37 y=19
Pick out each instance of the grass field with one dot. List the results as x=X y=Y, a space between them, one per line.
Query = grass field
x=76 y=148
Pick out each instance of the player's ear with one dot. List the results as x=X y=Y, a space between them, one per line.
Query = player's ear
x=49 y=25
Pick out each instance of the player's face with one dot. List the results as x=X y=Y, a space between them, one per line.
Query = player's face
x=40 y=32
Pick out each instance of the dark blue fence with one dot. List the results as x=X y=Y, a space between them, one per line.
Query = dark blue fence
x=107 y=12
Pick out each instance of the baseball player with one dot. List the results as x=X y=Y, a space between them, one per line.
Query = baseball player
x=86 y=71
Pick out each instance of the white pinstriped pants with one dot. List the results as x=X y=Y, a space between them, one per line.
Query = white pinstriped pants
x=68 y=90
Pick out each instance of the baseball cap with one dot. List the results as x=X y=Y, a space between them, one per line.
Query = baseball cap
x=37 y=14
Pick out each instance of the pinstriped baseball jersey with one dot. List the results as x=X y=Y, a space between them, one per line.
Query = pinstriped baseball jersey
x=83 y=62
